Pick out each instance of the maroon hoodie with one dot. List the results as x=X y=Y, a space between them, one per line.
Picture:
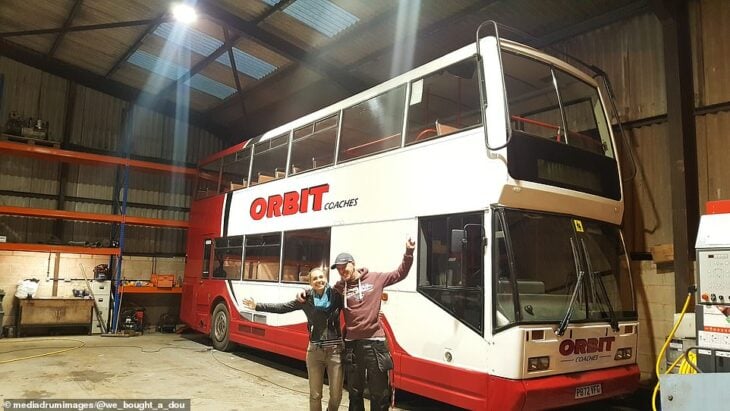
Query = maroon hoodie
x=362 y=300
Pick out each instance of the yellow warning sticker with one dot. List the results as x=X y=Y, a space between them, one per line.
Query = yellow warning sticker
x=578 y=225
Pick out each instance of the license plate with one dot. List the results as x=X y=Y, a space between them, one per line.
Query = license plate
x=588 y=391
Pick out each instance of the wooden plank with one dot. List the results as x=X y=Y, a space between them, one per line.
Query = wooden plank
x=662 y=253
x=30 y=141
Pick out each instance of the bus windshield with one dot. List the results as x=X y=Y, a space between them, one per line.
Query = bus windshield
x=560 y=134
x=538 y=261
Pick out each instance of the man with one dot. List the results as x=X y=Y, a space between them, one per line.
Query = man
x=366 y=357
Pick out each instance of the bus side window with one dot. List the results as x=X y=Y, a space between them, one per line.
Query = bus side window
x=443 y=102
x=304 y=250
x=261 y=257
x=227 y=253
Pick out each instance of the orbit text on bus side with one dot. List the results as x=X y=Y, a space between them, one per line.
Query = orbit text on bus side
x=296 y=202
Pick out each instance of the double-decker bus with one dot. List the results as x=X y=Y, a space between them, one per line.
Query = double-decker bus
x=500 y=162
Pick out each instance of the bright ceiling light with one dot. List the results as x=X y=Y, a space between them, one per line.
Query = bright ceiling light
x=184 y=13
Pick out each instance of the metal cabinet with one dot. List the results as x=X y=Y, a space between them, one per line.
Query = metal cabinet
x=102 y=294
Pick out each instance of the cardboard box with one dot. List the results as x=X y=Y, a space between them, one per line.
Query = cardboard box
x=163 y=280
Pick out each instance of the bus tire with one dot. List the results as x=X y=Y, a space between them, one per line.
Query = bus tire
x=220 y=328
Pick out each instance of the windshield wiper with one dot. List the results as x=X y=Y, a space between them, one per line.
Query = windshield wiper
x=602 y=293
x=578 y=285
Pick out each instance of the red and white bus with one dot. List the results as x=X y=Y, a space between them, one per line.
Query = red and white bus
x=500 y=161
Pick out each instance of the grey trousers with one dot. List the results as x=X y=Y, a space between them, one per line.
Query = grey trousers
x=318 y=360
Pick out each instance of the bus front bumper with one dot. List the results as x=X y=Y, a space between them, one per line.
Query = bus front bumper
x=564 y=390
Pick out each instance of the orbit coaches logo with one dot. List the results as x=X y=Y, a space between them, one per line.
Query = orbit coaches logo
x=312 y=199
x=586 y=349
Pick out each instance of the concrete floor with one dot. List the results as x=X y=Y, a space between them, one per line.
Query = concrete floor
x=169 y=366
x=147 y=367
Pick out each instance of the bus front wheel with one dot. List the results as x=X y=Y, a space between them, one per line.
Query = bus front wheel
x=220 y=328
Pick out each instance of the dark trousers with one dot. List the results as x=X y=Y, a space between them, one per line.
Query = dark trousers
x=368 y=361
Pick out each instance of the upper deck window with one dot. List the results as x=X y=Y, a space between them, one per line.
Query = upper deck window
x=313 y=145
x=372 y=126
x=560 y=134
x=443 y=102
x=234 y=174
x=550 y=103
x=208 y=179
x=269 y=159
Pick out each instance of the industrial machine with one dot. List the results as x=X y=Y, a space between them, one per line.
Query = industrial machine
x=704 y=386
x=712 y=311
x=133 y=319
x=19 y=125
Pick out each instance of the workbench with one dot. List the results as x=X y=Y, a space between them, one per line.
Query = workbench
x=53 y=312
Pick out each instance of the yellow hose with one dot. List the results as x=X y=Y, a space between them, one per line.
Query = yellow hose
x=685 y=368
x=81 y=344
x=664 y=349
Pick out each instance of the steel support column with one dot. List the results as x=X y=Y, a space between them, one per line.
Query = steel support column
x=681 y=136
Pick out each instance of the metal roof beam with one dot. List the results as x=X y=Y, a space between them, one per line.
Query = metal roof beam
x=228 y=102
x=278 y=6
x=199 y=66
x=383 y=18
x=97 y=82
x=432 y=28
x=66 y=24
x=89 y=27
x=234 y=72
x=344 y=79
x=151 y=28
x=621 y=13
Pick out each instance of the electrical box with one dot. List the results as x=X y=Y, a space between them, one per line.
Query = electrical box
x=712 y=313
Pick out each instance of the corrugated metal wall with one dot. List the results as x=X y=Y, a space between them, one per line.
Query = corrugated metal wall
x=33 y=93
x=631 y=52
x=97 y=124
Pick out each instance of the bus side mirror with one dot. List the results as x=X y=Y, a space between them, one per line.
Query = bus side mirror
x=458 y=240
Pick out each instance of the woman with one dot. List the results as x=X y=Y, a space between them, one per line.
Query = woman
x=322 y=307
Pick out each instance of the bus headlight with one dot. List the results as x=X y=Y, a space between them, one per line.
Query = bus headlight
x=538 y=364
x=623 y=354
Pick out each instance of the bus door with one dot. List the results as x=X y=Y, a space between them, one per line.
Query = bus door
x=451 y=265
x=202 y=291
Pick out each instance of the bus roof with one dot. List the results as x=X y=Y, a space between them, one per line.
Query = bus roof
x=418 y=72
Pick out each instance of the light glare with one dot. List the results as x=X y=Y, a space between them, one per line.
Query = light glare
x=184 y=13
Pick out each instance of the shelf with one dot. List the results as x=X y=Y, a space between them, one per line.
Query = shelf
x=76 y=157
x=150 y=290
x=99 y=218
x=53 y=248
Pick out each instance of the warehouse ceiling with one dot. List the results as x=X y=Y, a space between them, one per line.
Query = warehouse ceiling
x=246 y=66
